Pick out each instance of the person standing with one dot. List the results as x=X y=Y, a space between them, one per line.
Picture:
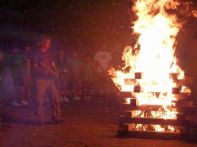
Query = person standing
x=102 y=62
x=88 y=79
x=17 y=61
x=63 y=68
x=103 y=58
x=75 y=76
x=26 y=72
x=45 y=74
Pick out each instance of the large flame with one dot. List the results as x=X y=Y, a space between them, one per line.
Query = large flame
x=153 y=56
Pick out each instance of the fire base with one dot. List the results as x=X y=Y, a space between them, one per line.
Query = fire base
x=186 y=134
x=184 y=127
x=158 y=120
x=149 y=134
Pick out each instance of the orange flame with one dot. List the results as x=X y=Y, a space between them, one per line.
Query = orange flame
x=153 y=57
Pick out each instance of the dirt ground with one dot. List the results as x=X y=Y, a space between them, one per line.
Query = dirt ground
x=86 y=124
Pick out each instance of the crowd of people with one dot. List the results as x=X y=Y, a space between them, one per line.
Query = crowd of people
x=36 y=74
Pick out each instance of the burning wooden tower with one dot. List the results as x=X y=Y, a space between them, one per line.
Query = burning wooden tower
x=153 y=87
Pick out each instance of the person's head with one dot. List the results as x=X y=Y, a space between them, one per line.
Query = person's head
x=45 y=43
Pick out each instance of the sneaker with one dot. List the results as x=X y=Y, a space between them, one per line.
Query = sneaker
x=15 y=103
x=24 y=102
x=66 y=99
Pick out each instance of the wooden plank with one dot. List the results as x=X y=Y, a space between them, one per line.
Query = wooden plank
x=157 y=121
x=180 y=106
x=125 y=94
x=183 y=134
x=129 y=101
x=149 y=134
x=138 y=75
x=137 y=89
x=129 y=81
x=142 y=107
x=137 y=113
x=127 y=127
x=130 y=114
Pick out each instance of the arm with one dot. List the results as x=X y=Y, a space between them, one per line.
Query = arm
x=55 y=67
x=42 y=67
x=54 y=72
x=45 y=68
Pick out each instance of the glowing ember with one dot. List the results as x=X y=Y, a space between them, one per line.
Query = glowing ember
x=150 y=65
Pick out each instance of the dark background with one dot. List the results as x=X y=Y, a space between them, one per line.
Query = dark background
x=79 y=23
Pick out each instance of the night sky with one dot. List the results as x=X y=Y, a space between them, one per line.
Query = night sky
x=82 y=23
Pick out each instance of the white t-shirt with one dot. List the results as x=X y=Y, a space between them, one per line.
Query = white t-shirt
x=103 y=57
